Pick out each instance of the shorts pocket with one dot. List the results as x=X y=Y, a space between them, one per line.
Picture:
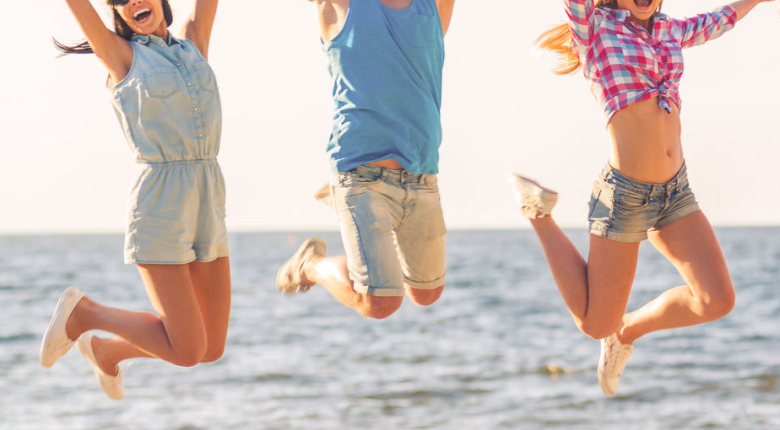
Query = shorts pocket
x=631 y=201
x=600 y=207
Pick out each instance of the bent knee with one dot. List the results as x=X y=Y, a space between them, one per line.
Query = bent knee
x=600 y=329
x=189 y=357
x=425 y=297
x=720 y=305
x=213 y=354
x=379 y=307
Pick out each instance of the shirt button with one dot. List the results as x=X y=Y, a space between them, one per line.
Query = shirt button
x=178 y=64
x=196 y=109
x=189 y=84
x=200 y=135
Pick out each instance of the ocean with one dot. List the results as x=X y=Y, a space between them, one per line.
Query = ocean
x=497 y=351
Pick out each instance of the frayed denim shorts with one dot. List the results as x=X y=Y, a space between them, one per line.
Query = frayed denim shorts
x=624 y=210
x=392 y=228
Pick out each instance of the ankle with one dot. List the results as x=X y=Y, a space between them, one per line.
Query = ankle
x=75 y=326
x=101 y=350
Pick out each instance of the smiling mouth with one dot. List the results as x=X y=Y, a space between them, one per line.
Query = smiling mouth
x=143 y=14
x=643 y=4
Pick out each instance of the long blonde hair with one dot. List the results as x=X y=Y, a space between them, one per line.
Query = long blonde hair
x=558 y=40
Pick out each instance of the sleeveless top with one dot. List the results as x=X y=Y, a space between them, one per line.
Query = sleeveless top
x=386 y=68
x=166 y=80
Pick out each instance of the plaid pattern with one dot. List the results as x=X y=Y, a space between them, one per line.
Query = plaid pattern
x=626 y=64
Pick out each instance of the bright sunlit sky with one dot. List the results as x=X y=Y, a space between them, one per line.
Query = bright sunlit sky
x=66 y=166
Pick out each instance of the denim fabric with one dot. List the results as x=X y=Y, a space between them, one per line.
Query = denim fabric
x=392 y=228
x=624 y=210
x=169 y=109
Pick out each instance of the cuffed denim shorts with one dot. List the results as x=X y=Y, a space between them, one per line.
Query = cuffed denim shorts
x=393 y=229
x=624 y=210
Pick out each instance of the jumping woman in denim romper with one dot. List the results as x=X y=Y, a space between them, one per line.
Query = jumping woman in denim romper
x=631 y=55
x=166 y=99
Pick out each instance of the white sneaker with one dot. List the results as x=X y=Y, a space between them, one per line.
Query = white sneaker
x=112 y=385
x=55 y=341
x=530 y=193
x=613 y=359
x=289 y=279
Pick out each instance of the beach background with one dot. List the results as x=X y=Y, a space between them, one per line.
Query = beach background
x=498 y=351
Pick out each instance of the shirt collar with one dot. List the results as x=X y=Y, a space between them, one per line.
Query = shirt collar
x=149 y=38
x=659 y=18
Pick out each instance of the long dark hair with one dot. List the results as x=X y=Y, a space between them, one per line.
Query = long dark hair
x=120 y=27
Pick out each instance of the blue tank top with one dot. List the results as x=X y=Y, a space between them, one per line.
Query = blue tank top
x=386 y=67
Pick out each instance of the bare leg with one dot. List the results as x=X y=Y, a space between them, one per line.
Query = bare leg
x=595 y=292
x=333 y=274
x=193 y=303
x=423 y=297
x=690 y=244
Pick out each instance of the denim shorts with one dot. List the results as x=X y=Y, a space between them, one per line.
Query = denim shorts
x=624 y=210
x=393 y=229
x=177 y=213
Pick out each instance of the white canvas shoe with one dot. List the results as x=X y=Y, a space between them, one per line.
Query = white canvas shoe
x=289 y=279
x=530 y=193
x=613 y=359
x=55 y=341
x=112 y=385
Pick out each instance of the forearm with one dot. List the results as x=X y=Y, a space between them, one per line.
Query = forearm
x=744 y=6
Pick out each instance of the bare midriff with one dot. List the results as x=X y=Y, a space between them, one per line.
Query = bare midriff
x=646 y=143
x=391 y=164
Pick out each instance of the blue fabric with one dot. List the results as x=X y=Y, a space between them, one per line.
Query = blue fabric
x=386 y=67
x=169 y=109
x=168 y=104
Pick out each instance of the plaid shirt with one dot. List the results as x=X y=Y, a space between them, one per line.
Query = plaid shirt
x=625 y=63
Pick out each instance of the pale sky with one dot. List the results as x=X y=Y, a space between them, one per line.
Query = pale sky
x=67 y=168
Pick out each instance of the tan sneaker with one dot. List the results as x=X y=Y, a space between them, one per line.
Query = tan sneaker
x=111 y=385
x=530 y=194
x=290 y=279
x=613 y=359
x=55 y=341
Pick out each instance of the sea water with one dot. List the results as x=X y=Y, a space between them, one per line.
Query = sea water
x=497 y=351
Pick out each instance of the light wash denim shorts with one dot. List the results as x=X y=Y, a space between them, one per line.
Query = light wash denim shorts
x=177 y=213
x=624 y=210
x=393 y=229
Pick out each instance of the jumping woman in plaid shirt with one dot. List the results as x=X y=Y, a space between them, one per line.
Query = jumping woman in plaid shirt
x=631 y=55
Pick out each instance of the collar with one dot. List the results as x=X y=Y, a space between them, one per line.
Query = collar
x=624 y=15
x=147 y=39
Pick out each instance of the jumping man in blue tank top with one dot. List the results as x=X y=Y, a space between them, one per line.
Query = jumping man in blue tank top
x=385 y=59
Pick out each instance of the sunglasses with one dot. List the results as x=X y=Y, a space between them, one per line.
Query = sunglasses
x=117 y=2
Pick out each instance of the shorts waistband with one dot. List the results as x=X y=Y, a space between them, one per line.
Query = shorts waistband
x=179 y=162
x=679 y=180
x=390 y=175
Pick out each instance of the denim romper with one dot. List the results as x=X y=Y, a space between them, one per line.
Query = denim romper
x=169 y=108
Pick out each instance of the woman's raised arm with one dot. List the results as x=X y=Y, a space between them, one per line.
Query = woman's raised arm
x=198 y=26
x=113 y=51
x=744 y=6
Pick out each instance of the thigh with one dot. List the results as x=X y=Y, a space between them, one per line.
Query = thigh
x=368 y=216
x=421 y=239
x=171 y=292
x=611 y=270
x=211 y=283
x=691 y=246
